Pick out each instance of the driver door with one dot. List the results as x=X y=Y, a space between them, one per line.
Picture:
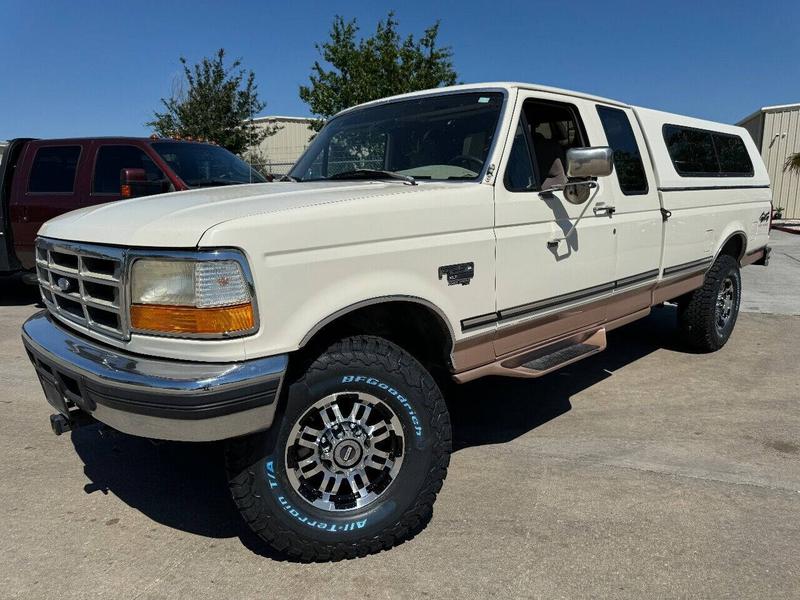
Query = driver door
x=547 y=285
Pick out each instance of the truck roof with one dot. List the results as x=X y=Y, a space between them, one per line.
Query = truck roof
x=503 y=86
x=115 y=138
x=509 y=86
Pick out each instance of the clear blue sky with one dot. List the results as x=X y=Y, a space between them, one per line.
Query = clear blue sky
x=99 y=68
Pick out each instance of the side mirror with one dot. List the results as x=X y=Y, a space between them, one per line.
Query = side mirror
x=133 y=183
x=590 y=162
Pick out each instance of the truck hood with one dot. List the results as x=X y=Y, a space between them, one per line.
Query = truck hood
x=179 y=219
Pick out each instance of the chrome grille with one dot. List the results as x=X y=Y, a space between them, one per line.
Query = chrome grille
x=83 y=283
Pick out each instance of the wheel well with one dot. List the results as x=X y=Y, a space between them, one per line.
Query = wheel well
x=734 y=246
x=413 y=326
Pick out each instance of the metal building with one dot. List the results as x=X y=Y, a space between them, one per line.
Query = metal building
x=776 y=131
x=2 y=147
x=276 y=154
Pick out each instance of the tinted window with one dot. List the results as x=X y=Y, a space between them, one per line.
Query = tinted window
x=732 y=155
x=112 y=159
x=691 y=150
x=705 y=153
x=627 y=159
x=53 y=170
x=519 y=172
x=203 y=165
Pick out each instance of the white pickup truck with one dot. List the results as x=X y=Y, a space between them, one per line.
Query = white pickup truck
x=443 y=235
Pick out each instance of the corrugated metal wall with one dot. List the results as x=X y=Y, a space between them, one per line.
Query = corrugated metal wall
x=781 y=138
x=278 y=152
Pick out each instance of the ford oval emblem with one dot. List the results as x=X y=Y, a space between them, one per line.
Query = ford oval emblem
x=63 y=284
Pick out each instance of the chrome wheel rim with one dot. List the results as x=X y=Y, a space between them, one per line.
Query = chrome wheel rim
x=344 y=451
x=726 y=299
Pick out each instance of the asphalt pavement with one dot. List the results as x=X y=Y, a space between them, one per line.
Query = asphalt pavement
x=645 y=471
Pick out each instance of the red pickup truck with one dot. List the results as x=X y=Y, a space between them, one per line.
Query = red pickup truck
x=41 y=179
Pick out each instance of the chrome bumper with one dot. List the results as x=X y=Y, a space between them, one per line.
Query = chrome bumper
x=155 y=398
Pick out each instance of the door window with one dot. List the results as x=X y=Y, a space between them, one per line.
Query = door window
x=110 y=162
x=520 y=176
x=627 y=158
x=53 y=170
x=552 y=128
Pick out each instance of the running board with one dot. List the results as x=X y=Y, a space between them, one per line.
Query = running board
x=542 y=360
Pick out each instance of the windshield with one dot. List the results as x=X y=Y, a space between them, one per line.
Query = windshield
x=444 y=137
x=203 y=165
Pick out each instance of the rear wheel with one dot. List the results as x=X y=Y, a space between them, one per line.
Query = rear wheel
x=356 y=461
x=708 y=315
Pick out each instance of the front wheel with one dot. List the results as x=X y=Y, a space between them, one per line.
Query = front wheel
x=707 y=316
x=356 y=461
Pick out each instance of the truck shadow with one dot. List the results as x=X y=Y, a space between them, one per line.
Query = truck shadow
x=13 y=292
x=183 y=485
x=495 y=410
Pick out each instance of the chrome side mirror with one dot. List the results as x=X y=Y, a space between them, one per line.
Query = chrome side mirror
x=597 y=161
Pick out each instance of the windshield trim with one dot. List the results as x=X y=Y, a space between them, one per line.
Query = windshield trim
x=434 y=92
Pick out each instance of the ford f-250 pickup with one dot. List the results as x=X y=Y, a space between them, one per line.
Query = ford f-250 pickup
x=442 y=235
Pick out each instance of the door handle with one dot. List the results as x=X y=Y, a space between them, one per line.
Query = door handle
x=602 y=209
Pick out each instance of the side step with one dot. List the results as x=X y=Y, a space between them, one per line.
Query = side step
x=560 y=357
x=554 y=356
x=543 y=360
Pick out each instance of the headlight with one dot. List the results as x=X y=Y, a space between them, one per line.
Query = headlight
x=177 y=297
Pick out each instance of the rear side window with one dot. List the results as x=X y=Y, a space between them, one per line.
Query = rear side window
x=703 y=153
x=732 y=155
x=627 y=158
x=53 y=170
x=110 y=162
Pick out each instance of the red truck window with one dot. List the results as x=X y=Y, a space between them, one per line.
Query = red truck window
x=53 y=170
x=112 y=159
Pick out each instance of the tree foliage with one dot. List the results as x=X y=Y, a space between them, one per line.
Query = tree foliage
x=374 y=67
x=214 y=102
x=792 y=163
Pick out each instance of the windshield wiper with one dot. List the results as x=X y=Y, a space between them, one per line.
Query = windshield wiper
x=373 y=174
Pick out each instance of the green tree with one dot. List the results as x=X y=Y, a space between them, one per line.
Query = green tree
x=214 y=102
x=374 y=67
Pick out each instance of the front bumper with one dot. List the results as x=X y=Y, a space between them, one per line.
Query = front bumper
x=155 y=398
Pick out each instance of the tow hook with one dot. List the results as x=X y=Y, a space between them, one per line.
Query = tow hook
x=60 y=424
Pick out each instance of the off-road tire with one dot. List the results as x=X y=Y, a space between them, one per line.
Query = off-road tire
x=698 y=312
x=257 y=470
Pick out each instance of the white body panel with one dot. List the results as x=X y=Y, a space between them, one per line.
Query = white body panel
x=706 y=211
x=530 y=271
x=316 y=249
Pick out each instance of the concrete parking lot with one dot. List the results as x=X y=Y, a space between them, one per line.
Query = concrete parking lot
x=645 y=471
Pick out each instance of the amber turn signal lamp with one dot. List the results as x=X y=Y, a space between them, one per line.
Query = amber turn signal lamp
x=188 y=319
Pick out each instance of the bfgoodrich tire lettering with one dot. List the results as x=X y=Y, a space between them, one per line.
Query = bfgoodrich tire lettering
x=263 y=468
x=707 y=316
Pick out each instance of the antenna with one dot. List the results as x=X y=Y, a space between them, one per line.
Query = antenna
x=250 y=154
